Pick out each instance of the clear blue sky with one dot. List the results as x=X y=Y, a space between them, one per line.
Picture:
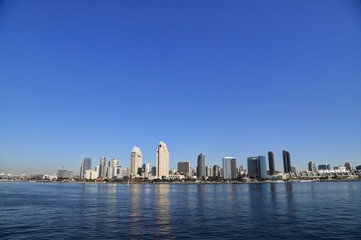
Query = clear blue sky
x=227 y=78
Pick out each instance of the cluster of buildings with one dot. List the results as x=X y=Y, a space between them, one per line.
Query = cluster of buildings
x=256 y=168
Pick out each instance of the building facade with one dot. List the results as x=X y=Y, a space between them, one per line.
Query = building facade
x=135 y=162
x=201 y=166
x=256 y=167
x=185 y=168
x=271 y=163
x=286 y=161
x=230 y=170
x=112 y=168
x=103 y=167
x=90 y=174
x=85 y=165
x=162 y=160
x=312 y=166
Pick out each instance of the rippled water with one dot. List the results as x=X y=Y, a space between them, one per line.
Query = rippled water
x=202 y=211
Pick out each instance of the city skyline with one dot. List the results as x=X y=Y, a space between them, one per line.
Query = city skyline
x=236 y=78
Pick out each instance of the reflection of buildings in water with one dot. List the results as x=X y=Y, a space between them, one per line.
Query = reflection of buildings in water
x=135 y=192
x=162 y=206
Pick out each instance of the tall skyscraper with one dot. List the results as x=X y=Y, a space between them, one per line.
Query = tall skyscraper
x=103 y=167
x=271 y=163
x=286 y=161
x=135 y=162
x=229 y=167
x=162 y=160
x=112 y=168
x=85 y=165
x=201 y=166
x=256 y=167
x=146 y=169
x=312 y=166
x=216 y=171
x=185 y=168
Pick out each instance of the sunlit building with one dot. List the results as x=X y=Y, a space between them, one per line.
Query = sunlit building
x=229 y=167
x=201 y=166
x=135 y=162
x=162 y=160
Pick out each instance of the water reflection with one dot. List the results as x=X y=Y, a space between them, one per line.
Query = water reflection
x=135 y=210
x=162 y=206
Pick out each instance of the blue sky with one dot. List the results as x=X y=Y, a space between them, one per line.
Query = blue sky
x=227 y=78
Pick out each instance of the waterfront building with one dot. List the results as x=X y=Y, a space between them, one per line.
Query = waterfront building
x=146 y=169
x=256 y=167
x=293 y=169
x=286 y=161
x=185 y=168
x=112 y=168
x=135 y=162
x=65 y=174
x=216 y=171
x=349 y=166
x=125 y=173
x=119 y=172
x=103 y=167
x=90 y=174
x=97 y=170
x=153 y=172
x=324 y=167
x=312 y=166
x=340 y=168
x=271 y=163
x=209 y=171
x=85 y=165
x=241 y=168
x=201 y=166
x=229 y=167
x=162 y=160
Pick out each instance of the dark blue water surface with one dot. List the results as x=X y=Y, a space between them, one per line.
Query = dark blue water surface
x=330 y=210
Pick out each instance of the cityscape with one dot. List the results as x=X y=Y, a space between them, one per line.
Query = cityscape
x=228 y=170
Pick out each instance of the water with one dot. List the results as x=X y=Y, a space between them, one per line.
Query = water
x=330 y=210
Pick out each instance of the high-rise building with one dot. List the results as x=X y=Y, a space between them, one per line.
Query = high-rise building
x=97 y=170
x=293 y=169
x=229 y=167
x=135 y=162
x=241 y=168
x=286 y=161
x=201 y=166
x=185 y=168
x=216 y=171
x=349 y=166
x=103 y=167
x=312 y=166
x=271 y=163
x=324 y=167
x=209 y=171
x=256 y=167
x=153 y=172
x=162 y=160
x=85 y=165
x=146 y=169
x=112 y=168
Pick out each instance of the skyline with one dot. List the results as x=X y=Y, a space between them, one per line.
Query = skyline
x=92 y=79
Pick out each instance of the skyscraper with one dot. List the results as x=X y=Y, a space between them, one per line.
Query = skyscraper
x=229 y=167
x=216 y=171
x=312 y=166
x=112 y=168
x=103 y=167
x=271 y=163
x=201 y=166
x=286 y=161
x=146 y=169
x=257 y=167
x=349 y=166
x=135 y=161
x=85 y=165
x=162 y=160
x=185 y=168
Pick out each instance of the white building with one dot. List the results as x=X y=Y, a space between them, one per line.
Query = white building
x=112 y=168
x=135 y=161
x=162 y=160
x=90 y=174
x=146 y=169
